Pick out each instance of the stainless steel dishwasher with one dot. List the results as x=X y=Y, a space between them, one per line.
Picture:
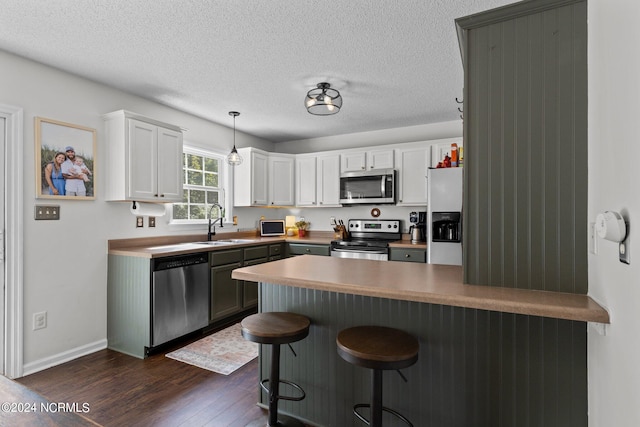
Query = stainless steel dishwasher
x=179 y=296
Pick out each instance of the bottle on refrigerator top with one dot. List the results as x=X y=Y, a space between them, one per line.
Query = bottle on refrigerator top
x=454 y=155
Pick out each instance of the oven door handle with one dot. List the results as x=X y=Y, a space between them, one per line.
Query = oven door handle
x=361 y=251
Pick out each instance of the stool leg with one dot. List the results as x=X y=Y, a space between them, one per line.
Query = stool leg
x=376 y=398
x=274 y=385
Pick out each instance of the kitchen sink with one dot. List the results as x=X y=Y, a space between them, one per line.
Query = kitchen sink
x=225 y=242
x=215 y=243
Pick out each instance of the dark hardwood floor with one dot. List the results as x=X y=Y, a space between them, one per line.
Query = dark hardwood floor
x=125 y=391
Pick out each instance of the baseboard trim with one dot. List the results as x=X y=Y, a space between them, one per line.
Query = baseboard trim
x=58 y=359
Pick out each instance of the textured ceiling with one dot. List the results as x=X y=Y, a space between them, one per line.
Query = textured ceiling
x=396 y=63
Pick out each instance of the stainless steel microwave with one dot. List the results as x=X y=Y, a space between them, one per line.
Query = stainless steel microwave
x=375 y=186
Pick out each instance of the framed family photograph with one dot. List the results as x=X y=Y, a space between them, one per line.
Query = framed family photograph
x=65 y=160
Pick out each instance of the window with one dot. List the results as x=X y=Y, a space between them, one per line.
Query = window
x=203 y=186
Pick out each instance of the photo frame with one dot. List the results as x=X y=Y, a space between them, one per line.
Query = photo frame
x=65 y=160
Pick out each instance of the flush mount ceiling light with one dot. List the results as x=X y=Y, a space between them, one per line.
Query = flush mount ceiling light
x=234 y=159
x=323 y=101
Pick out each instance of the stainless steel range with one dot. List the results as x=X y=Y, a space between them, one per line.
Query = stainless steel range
x=369 y=239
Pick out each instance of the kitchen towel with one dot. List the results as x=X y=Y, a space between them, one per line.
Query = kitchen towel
x=148 y=209
x=223 y=352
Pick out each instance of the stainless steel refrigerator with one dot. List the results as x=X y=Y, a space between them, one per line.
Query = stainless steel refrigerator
x=444 y=216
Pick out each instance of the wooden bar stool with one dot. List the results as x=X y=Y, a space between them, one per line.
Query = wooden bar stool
x=277 y=328
x=378 y=348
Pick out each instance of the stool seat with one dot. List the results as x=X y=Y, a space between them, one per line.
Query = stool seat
x=275 y=327
x=377 y=347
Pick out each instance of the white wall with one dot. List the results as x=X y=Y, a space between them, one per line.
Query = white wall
x=65 y=262
x=380 y=137
x=614 y=155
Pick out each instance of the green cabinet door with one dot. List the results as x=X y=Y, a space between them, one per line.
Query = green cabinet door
x=226 y=292
x=250 y=289
x=407 y=255
x=307 y=249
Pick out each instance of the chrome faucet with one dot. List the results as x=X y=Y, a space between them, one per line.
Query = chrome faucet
x=220 y=218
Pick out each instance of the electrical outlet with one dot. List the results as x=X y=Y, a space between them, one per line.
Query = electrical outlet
x=152 y=221
x=39 y=320
x=593 y=239
x=47 y=212
x=139 y=221
x=624 y=251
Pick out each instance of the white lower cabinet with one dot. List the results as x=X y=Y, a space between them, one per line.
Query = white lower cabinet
x=144 y=158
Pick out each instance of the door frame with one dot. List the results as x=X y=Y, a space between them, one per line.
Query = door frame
x=13 y=191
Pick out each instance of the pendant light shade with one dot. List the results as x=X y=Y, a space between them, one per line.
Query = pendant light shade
x=234 y=159
x=323 y=101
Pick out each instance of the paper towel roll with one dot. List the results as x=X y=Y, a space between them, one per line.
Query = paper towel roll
x=610 y=226
x=148 y=209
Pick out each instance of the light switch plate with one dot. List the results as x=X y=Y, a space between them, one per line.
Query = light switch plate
x=43 y=212
x=593 y=238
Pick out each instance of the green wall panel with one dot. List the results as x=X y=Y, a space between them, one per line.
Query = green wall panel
x=525 y=198
x=475 y=367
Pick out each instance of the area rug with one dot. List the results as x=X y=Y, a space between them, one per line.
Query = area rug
x=223 y=352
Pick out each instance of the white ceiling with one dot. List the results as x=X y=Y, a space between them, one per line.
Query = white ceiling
x=396 y=63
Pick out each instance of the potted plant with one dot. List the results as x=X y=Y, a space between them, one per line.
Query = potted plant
x=302 y=227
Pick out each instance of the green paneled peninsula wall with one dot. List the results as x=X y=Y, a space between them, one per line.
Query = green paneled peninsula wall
x=525 y=138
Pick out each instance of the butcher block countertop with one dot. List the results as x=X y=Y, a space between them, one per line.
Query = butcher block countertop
x=428 y=283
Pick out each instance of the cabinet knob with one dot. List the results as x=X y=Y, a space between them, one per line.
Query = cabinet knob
x=320 y=202
x=308 y=250
x=155 y=195
x=407 y=256
x=162 y=195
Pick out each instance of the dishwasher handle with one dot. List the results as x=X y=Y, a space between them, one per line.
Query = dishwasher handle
x=178 y=261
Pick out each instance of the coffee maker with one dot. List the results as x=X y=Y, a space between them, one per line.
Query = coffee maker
x=418 y=223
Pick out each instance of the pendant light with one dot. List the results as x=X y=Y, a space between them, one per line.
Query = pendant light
x=323 y=101
x=234 y=159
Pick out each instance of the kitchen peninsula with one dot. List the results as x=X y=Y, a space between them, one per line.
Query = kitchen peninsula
x=482 y=361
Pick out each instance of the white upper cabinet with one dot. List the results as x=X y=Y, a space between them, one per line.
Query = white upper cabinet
x=328 y=181
x=365 y=160
x=318 y=180
x=281 y=180
x=412 y=172
x=263 y=179
x=144 y=158
x=351 y=162
x=250 y=179
x=306 y=181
